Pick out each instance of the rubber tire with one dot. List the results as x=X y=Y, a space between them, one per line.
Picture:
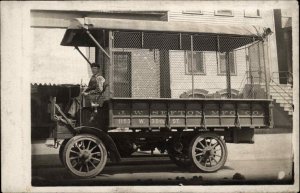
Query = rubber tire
x=223 y=159
x=81 y=136
x=61 y=150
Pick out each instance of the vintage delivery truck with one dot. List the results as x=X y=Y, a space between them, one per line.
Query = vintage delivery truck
x=147 y=104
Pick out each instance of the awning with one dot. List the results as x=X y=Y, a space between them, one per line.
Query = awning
x=75 y=34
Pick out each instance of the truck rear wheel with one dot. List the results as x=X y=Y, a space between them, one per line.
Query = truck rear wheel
x=84 y=155
x=208 y=152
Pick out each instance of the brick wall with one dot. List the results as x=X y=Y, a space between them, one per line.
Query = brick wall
x=145 y=73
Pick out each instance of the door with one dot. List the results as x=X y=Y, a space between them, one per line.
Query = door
x=255 y=63
x=122 y=74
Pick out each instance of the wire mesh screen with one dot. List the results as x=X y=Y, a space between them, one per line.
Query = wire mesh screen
x=172 y=65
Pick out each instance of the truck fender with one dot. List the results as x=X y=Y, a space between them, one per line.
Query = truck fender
x=107 y=140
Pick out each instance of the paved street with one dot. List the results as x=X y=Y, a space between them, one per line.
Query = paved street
x=268 y=161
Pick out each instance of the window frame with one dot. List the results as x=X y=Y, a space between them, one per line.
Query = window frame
x=219 y=65
x=191 y=12
x=223 y=14
x=247 y=15
x=187 y=64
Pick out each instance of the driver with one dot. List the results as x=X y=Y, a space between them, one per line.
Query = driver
x=95 y=85
x=92 y=92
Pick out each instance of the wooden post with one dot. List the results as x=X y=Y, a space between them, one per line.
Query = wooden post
x=228 y=75
x=110 y=66
x=266 y=68
x=192 y=64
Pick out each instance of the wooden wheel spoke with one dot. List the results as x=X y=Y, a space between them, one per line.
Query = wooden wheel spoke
x=87 y=167
x=76 y=145
x=210 y=161
x=201 y=158
x=95 y=159
x=199 y=154
x=206 y=144
x=88 y=147
x=205 y=163
x=76 y=163
x=98 y=152
x=215 y=160
x=80 y=168
x=215 y=145
x=210 y=141
x=74 y=152
x=71 y=158
x=92 y=164
x=82 y=143
x=201 y=144
x=93 y=148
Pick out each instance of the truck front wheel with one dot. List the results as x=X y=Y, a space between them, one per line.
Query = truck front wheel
x=84 y=155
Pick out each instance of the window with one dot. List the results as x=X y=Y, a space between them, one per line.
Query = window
x=199 y=12
x=222 y=63
x=198 y=63
x=252 y=13
x=224 y=12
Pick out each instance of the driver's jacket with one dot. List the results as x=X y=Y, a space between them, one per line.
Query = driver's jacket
x=95 y=85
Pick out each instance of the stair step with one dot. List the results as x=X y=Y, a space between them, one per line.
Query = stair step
x=285 y=105
x=288 y=110
x=281 y=85
x=282 y=101
x=277 y=96
x=280 y=91
x=280 y=88
x=282 y=94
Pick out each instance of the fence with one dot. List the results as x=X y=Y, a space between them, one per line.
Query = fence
x=172 y=65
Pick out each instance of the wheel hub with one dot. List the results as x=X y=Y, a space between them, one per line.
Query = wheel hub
x=85 y=156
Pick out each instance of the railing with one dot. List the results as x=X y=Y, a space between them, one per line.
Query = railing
x=261 y=80
x=289 y=76
x=283 y=76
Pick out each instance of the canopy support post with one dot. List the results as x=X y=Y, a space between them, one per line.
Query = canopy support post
x=97 y=44
x=110 y=67
x=228 y=78
x=76 y=47
x=192 y=64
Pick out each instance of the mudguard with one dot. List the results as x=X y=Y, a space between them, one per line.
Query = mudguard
x=107 y=140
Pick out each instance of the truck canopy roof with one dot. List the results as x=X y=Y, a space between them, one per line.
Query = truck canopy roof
x=180 y=32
